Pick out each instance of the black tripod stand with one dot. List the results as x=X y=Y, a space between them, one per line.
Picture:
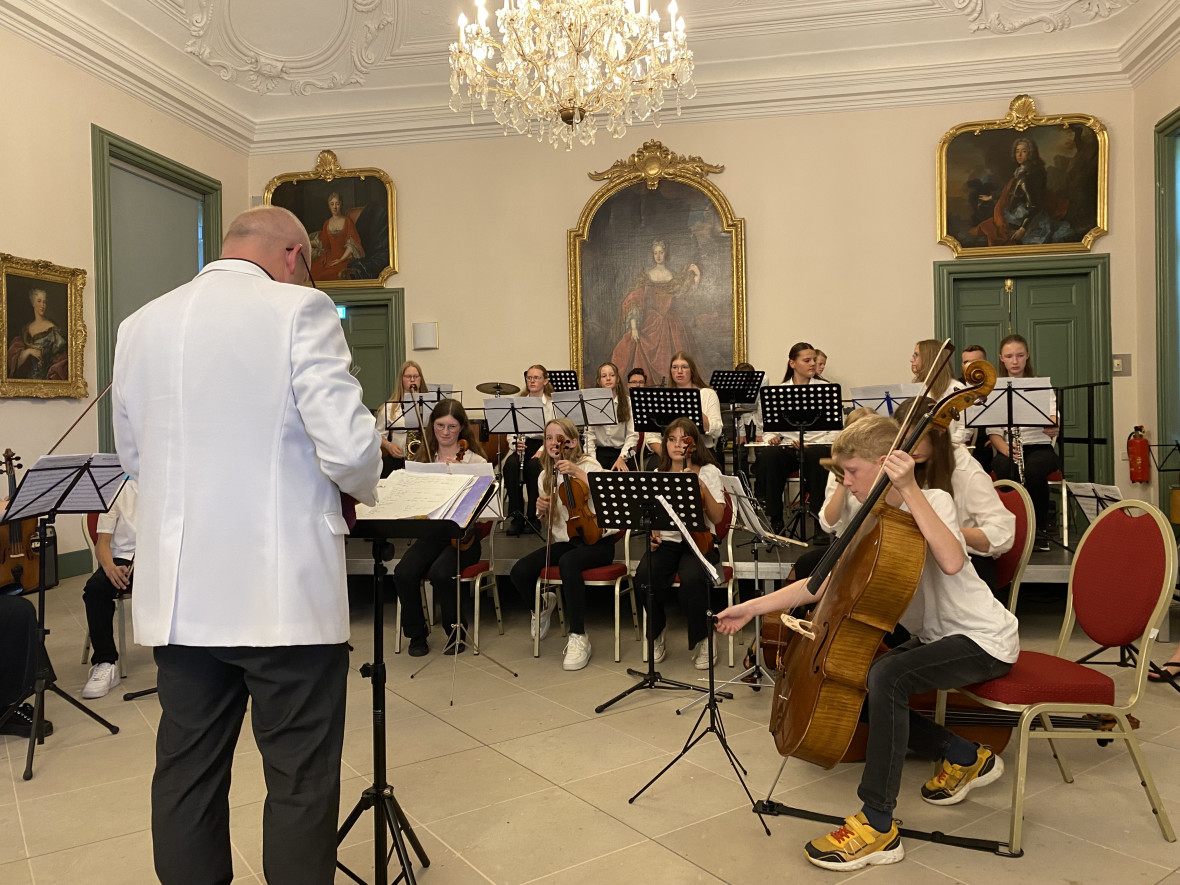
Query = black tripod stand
x=58 y=487
x=388 y=817
x=715 y=728
x=628 y=500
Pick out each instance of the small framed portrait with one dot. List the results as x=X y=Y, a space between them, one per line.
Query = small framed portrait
x=657 y=265
x=351 y=219
x=1023 y=185
x=42 y=329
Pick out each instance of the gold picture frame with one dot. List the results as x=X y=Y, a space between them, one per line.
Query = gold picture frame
x=41 y=310
x=362 y=248
x=657 y=263
x=1053 y=199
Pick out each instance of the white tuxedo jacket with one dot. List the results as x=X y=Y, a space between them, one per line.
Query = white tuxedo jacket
x=234 y=408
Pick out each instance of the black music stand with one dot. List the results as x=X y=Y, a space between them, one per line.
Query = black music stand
x=628 y=501
x=58 y=484
x=800 y=408
x=1014 y=403
x=563 y=379
x=511 y=415
x=388 y=814
x=654 y=408
x=736 y=388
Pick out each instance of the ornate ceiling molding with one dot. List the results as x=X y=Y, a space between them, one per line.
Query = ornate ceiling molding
x=1008 y=16
x=364 y=34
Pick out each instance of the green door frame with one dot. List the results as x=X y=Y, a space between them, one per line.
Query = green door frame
x=104 y=147
x=1167 y=287
x=395 y=299
x=1095 y=266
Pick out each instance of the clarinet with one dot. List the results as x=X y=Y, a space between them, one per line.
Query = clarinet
x=1016 y=450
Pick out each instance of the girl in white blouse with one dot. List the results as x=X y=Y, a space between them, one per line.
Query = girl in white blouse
x=611 y=444
x=390 y=420
x=686 y=376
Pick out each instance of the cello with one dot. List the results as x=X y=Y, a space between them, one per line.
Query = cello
x=20 y=558
x=874 y=569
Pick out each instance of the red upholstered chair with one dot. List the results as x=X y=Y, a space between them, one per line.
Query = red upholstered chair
x=1010 y=566
x=1120 y=585
x=90 y=533
x=616 y=575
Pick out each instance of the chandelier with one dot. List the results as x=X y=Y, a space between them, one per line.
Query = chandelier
x=561 y=66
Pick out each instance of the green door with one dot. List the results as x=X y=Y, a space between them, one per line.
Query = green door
x=1062 y=306
x=373 y=328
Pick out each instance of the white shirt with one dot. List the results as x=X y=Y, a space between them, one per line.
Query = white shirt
x=960 y=604
x=710 y=478
x=711 y=409
x=959 y=432
x=851 y=505
x=119 y=521
x=979 y=506
x=561 y=515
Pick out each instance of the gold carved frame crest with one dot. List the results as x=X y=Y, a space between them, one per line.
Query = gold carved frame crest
x=652 y=165
x=1077 y=192
x=306 y=194
x=27 y=369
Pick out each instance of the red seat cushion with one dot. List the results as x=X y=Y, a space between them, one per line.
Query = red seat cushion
x=1055 y=476
x=610 y=572
x=1037 y=678
x=474 y=571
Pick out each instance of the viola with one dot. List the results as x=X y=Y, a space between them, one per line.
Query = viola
x=703 y=540
x=20 y=558
x=575 y=497
x=874 y=570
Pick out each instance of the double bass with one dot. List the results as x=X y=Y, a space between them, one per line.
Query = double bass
x=20 y=558
x=874 y=570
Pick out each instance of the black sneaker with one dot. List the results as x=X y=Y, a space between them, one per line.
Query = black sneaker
x=418 y=647
x=20 y=723
x=515 y=524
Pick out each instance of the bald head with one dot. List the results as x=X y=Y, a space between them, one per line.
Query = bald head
x=268 y=236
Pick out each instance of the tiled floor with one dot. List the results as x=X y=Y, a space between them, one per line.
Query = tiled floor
x=520 y=781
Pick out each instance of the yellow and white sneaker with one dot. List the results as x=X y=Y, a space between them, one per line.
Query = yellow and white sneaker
x=954 y=782
x=855 y=845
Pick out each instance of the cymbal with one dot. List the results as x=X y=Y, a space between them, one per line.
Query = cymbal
x=497 y=388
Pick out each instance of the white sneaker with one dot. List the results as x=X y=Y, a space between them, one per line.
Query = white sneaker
x=661 y=649
x=548 y=603
x=577 y=652
x=700 y=655
x=103 y=677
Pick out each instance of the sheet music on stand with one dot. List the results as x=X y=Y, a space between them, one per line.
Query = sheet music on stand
x=802 y=407
x=883 y=398
x=563 y=380
x=425 y=400
x=514 y=414
x=654 y=408
x=591 y=407
x=1093 y=497
x=1015 y=402
x=686 y=536
x=736 y=387
x=493 y=508
x=746 y=515
x=46 y=485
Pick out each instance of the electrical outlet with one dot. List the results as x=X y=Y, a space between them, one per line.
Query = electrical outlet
x=1120 y=365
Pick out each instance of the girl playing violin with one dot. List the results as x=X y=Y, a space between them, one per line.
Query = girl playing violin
x=611 y=444
x=449 y=438
x=563 y=456
x=961 y=635
x=670 y=554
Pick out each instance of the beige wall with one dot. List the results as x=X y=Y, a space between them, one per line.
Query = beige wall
x=45 y=186
x=839 y=210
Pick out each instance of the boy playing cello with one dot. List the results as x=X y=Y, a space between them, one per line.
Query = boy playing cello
x=961 y=635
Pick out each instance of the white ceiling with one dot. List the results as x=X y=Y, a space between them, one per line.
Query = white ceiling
x=278 y=75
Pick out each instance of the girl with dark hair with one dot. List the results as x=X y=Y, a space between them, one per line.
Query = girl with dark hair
x=670 y=555
x=1026 y=450
x=612 y=444
x=435 y=558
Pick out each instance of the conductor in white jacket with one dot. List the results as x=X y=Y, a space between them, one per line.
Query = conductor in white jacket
x=235 y=410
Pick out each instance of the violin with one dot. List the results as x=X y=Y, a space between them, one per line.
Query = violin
x=703 y=540
x=20 y=558
x=575 y=496
x=470 y=535
x=875 y=567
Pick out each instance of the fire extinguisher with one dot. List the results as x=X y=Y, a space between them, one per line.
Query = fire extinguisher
x=1137 y=455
